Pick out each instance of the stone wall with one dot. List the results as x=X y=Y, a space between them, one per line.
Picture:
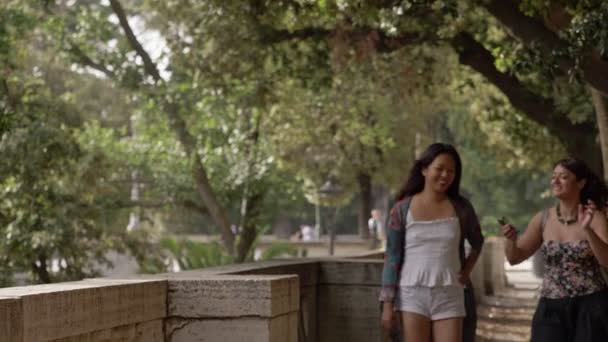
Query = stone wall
x=90 y=310
x=230 y=308
x=492 y=264
x=301 y=300
x=349 y=309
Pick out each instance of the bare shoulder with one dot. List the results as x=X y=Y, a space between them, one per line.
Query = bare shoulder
x=538 y=216
x=536 y=222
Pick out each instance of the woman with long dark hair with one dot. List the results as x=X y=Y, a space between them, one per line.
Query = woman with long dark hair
x=425 y=269
x=573 y=239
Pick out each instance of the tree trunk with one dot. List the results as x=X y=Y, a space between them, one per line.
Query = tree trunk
x=249 y=226
x=365 y=206
x=251 y=201
x=41 y=271
x=600 y=103
x=135 y=214
x=203 y=186
x=318 y=223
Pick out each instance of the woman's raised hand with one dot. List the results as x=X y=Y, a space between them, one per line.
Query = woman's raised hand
x=585 y=214
x=509 y=232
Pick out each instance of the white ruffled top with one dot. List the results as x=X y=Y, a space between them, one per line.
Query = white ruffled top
x=431 y=255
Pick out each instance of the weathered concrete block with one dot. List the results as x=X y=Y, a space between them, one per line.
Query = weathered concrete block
x=354 y=272
x=233 y=296
x=349 y=313
x=11 y=319
x=308 y=310
x=141 y=332
x=61 y=310
x=477 y=278
x=283 y=328
x=494 y=275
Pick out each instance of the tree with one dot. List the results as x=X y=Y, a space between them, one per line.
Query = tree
x=126 y=70
x=478 y=32
x=54 y=189
x=360 y=129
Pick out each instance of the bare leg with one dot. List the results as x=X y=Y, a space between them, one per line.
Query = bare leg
x=416 y=327
x=447 y=330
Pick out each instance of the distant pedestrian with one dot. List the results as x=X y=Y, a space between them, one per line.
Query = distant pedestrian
x=376 y=229
x=308 y=233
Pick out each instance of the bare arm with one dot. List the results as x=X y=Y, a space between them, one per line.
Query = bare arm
x=467 y=267
x=520 y=248
x=470 y=261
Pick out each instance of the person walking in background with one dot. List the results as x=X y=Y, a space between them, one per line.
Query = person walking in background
x=376 y=229
x=425 y=279
x=573 y=239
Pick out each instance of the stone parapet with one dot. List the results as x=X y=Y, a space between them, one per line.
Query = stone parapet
x=57 y=311
x=349 y=309
x=230 y=296
x=493 y=262
x=11 y=319
x=301 y=300
x=151 y=331
x=228 y=308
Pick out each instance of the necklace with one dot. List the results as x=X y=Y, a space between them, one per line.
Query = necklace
x=564 y=221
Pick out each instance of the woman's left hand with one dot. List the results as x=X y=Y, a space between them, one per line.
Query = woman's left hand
x=463 y=277
x=585 y=214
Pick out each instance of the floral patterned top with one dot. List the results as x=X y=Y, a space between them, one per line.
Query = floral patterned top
x=571 y=270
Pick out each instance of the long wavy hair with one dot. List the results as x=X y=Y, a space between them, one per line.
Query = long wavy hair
x=415 y=181
x=595 y=188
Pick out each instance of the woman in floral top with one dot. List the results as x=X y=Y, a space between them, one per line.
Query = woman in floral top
x=573 y=239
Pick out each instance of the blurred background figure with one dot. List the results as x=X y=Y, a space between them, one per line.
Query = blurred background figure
x=308 y=233
x=376 y=229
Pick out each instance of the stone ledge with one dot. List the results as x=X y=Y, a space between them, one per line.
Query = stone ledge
x=282 y=328
x=11 y=319
x=55 y=311
x=351 y=272
x=193 y=296
x=349 y=313
x=140 y=332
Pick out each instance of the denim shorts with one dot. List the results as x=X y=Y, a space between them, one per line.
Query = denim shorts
x=441 y=302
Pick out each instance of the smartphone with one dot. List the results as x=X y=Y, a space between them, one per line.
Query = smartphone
x=503 y=220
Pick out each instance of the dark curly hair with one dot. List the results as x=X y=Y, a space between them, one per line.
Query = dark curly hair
x=595 y=188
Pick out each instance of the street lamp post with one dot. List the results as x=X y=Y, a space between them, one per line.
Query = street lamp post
x=332 y=188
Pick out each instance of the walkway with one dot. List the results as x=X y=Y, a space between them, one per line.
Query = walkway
x=506 y=317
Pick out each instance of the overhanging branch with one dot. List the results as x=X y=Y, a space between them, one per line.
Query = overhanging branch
x=383 y=42
x=530 y=30
x=539 y=109
x=149 y=65
x=87 y=61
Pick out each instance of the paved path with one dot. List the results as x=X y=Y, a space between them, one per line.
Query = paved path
x=506 y=316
